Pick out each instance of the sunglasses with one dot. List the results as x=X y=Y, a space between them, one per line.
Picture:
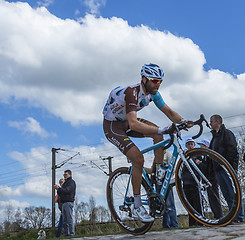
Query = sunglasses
x=155 y=80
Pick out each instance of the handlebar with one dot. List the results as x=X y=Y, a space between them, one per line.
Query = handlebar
x=199 y=122
x=176 y=127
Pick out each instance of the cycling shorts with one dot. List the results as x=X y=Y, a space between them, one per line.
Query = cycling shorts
x=118 y=133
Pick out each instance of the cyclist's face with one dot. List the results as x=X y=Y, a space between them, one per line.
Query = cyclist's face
x=190 y=145
x=153 y=86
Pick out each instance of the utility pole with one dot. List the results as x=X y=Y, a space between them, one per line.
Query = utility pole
x=53 y=183
x=109 y=164
x=110 y=171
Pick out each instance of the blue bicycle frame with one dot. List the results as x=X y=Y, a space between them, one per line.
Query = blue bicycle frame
x=169 y=172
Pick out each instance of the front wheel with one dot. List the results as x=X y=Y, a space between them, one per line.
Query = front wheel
x=207 y=201
x=121 y=206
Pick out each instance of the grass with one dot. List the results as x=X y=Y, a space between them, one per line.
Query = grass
x=87 y=230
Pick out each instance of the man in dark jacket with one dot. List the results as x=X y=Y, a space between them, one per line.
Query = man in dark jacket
x=224 y=142
x=67 y=194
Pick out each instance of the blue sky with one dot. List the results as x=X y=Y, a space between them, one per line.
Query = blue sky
x=59 y=59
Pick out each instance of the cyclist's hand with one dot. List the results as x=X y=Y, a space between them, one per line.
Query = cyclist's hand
x=189 y=123
x=186 y=124
x=162 y=130
x=165 y=130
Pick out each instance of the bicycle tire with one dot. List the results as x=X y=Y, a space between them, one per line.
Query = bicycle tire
x=206 y=215
x=121 y=212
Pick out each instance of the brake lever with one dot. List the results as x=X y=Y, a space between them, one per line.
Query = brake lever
x=207 y=124
x=179 y=135
x=178 y=132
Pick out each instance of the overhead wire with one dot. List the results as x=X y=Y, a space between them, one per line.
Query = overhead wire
x=82 y=162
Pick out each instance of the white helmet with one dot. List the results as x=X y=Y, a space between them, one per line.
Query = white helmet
x=152 y=71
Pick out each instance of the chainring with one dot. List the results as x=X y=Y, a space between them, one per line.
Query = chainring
x=156 y=204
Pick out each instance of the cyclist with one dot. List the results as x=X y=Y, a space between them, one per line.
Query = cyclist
x=121 y=122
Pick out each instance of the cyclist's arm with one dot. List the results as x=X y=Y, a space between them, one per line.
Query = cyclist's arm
x=171 y=114
x=159 y=102
x=138 y=126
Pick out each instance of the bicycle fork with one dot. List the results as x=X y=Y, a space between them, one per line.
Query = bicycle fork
x=200 y=185
x=189 y=162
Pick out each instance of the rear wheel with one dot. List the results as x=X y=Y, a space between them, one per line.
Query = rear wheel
x=121 y=207
x=213 y=209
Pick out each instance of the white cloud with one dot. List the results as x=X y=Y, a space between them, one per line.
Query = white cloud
x=6 y=192
x=29 y=126
x=69 y=67
x=88 y=176
x=94 y=5
x=13 y=203
x=45 y=3
x=38 y=159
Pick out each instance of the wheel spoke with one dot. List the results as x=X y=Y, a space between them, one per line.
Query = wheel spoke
x=121 y=211
x=213 y=209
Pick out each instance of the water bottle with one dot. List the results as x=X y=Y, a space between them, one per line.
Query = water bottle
x=161 y=173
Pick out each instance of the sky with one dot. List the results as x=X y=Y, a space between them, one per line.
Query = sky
x=59 y=59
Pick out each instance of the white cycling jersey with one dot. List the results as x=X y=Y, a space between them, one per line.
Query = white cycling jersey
x=131 y=98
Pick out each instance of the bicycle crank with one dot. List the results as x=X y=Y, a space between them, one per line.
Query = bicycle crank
x=156 y=204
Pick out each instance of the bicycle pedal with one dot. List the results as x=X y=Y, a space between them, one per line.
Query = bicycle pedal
x=124 y=208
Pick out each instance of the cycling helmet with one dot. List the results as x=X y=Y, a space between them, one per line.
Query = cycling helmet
x=152 y=71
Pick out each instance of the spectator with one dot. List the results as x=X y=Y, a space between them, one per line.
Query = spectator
x=190 y=186
x=204 y=143
x=224 y=142
x=57 y=199
x=213 y=194
x=67 y=196
x=169 y=217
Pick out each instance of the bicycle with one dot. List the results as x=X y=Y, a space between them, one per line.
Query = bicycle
x=120 y=196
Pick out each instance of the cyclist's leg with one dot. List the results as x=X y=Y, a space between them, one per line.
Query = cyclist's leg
x=117 y=134
x=137 y=159
x=158 y=152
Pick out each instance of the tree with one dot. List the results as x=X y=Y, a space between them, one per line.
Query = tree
x=103 y=214
x=81 y=212
x=17 y=221
x=37 y=217
x=92 y=210
x=9 y=212
x=241 y=165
